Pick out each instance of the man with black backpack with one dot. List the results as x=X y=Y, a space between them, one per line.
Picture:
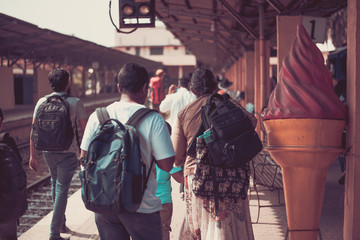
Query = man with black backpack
x=55 y=120
x=13 y=193
x=127 y=220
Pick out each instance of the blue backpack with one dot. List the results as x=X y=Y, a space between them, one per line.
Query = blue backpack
x=13 y=193
x=114 y=178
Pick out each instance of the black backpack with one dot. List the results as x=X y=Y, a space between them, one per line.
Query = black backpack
x=52 y=129
x=114 y=177
x=229 y=134
x=13 y=193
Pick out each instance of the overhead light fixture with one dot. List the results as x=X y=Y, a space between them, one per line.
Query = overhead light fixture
x=128 y=10
x=144 y=9
x=137 y=13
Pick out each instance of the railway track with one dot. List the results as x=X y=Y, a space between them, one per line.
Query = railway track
x=39 y=191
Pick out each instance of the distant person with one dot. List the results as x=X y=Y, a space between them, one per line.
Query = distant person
x=156 y=89
x=224 y=87
x=172 y=89
x=250 y=107
x=155 y=142
x=200 y=222
x=61 y=164
x=340 y=90
x=173 y=103
x=13 y=197
x=163 y=191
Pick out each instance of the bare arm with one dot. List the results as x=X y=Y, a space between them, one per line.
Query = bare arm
x=166 y=164
x=82 y=156
x=179 y=142
x=178 y=176
x=82 y=123
x=33 y=162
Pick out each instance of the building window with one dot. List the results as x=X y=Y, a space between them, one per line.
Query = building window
x=127 y=48
x=137 y=51
x=187 y=52
x=176 y=47
x=156 y=51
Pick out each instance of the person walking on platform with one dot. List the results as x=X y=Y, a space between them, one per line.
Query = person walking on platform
x=174 y=102
x=200 y=221
x=61 y=163
x=155 y=142
x=156 y=89
x=13 y=194
x=163 y=191
x=224 y=87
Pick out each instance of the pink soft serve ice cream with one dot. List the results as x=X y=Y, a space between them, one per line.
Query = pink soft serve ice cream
x=305 y=88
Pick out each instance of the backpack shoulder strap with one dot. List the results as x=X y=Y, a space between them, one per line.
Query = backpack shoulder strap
x=138 y=115
x=213 y=96
x=62 y=98
x=4 y=136
x=102 y=114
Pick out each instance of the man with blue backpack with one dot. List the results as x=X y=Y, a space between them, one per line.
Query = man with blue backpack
x=118 y=141
x=54 y=127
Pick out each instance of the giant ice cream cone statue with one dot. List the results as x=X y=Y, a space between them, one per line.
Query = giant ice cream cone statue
x=304 y=122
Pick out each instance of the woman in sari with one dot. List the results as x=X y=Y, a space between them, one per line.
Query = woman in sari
x=200 y=221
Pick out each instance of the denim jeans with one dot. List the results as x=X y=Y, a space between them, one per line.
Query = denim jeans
x=62 y=167
x=166 y=215
x=140 y=226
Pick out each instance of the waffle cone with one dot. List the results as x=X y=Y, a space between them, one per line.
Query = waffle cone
x=304 y=149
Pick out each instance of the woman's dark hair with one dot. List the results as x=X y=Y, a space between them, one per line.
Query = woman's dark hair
x=132 y=78
x=203 y=82
x=184 y=82
x=58 y=79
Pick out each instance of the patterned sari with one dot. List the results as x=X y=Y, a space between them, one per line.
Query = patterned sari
x=200 y=222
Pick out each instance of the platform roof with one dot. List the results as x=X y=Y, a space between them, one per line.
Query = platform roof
x=217 y=32
x=23 y=40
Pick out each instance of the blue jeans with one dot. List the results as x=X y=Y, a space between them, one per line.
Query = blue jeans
x=62 y=167
x=140 y=226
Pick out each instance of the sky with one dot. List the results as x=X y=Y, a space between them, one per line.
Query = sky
x=85 y=19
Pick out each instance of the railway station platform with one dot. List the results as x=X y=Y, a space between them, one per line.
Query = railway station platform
x=271 y=226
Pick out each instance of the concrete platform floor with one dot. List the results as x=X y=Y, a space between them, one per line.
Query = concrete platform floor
x=271 y=226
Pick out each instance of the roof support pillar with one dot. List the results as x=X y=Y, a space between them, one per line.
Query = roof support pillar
x=84 y=77
x=352 y=175
x=241 y=71
x=7 y=88
x=261 y=69
x=249 y=76
x=41 y=86
x=262 y=55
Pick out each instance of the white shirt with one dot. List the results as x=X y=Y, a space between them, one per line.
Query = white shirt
x=154 y=141
x=175 y=102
